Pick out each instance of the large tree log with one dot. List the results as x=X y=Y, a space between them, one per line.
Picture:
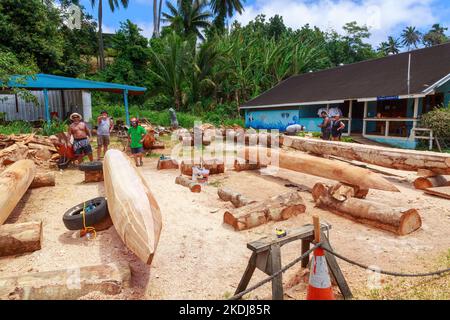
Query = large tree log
x=14 y=153
x=334 y=170
x=278 y=208
x=240 y=165
x=237 y=199
x=188 y=183
x=401 y=159
x=43 y=180
x=397 y=220
x=214 y=166
x=423 y=183
x=18 y=238
x=66 y=284
x=14 y=182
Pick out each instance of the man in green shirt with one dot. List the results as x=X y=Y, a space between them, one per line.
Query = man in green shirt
x=136 y=136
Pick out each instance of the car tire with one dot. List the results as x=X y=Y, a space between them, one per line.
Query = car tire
x=73 y=219
x=91 y=166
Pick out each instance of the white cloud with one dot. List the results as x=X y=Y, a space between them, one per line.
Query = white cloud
x=108 y=29
x=384 y=17
x=147 y=28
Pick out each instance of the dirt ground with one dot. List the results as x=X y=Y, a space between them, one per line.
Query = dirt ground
x=198 y=257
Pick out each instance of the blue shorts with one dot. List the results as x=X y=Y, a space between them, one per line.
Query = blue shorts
x=82 y=146
x=137 y=150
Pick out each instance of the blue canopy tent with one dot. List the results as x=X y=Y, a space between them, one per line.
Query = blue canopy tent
x=47 y=82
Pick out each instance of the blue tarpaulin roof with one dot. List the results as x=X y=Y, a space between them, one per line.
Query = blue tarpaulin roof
x=46 y=81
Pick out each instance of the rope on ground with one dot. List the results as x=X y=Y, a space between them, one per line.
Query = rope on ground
x=389 y=273
x=286 y=267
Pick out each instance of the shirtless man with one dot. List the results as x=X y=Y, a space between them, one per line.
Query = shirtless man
x=80 y=132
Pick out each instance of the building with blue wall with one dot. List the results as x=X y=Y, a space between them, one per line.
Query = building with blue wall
x=381 y=99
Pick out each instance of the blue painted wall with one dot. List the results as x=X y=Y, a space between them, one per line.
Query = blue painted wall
x=270 y=119
x=400 y=143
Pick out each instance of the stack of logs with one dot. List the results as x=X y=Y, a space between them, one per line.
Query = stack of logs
x=28 y=146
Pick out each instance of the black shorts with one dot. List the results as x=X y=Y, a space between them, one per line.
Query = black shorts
x=81 y=146
x=326 y=135
x=336 y=134
x=137 y=150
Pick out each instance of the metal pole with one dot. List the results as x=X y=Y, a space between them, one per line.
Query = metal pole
x=47 y=110
x=125 y=99
x=409 y=74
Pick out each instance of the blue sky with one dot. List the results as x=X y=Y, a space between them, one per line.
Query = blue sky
x=384 y=17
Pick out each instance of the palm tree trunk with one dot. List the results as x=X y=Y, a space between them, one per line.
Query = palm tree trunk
x=100 y=35
x=159 y=16
x=155 y=19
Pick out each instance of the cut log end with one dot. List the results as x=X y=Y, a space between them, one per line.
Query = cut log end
x=43 y=180
x=185 y=182
x=409 y=222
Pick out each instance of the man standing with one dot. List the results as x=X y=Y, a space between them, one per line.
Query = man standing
x=136 y=137
x=105 y=126
x=325 y=126
x=81 y=133
x=336 y=128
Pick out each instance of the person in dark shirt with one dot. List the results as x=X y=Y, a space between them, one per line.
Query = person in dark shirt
x=325 y=126
x=337 y=126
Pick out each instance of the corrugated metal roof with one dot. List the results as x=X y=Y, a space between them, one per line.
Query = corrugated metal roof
x=51 y=82
x=368 y=79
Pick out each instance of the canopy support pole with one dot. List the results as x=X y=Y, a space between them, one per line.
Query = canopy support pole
x=125 y=100
x=47 y=110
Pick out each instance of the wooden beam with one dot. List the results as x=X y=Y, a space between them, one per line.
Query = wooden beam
x=245 y=280
x=18 y=238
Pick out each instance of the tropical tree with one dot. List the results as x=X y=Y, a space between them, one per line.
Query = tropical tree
x=435 y=36
x=113 y=4
x=189 y=17
x=223 y=9
x=392 y=46
x=411 y=37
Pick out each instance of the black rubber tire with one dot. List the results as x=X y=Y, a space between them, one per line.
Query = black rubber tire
x=91 y=166
x=73 y=219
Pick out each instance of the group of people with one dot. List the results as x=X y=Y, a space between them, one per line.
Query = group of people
x=331 y=127
x=81 y=134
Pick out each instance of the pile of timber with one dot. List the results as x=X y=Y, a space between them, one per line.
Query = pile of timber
x=335 y=199
x=401 y=159
x=278 y=208
x=215 y=166
x=40 y=149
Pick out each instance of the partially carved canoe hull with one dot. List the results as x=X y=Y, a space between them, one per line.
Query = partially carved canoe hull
x=132 y=207
x=14 y=182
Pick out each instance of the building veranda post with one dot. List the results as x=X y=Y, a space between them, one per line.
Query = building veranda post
x=381 y=99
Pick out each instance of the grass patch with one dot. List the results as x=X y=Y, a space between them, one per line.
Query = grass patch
x=16 y=127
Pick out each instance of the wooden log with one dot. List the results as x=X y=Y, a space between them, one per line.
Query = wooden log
x=13 y=153
x=132 y=206
x=93 y=176
x=278 y=208
x=66 y=284
x=426 y=173
x=398 y=220
x=330 y=169
x=423 y=183
x=188 y=183
x=43 y=180
x=237 y=199
x=393 y=158
x=215 y=166
x=342 y=192
x=240 y=165
x=38 y=146
x=167 y=164
x=442 y=192
x=149 y=140
x=14 y=182
x=18 y=238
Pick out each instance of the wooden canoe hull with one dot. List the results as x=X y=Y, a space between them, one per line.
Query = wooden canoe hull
x=132 y=207
x=14 y=182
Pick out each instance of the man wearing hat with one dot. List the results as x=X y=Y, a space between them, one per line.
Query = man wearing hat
x=81 y=133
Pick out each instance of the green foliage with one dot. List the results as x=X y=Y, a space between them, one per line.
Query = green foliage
x=54 y=127
x=438 y=120
x=16 y=127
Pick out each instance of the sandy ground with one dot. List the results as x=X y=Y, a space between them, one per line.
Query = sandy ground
x=198 y=257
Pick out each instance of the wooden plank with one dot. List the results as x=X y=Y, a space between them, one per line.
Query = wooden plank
x=336 y=270
x=264 y=243
x=18 y=238
x=277 y=282
x=306 y=244
x=443 y=192
x=251 y=266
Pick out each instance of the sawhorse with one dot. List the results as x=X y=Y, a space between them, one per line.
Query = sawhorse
x=266 y=256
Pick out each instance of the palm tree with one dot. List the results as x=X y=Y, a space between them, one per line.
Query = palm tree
x=435 y=36
x=392 y=46
x=411 y=37
x=225 y=8
x=188 y=18
x=113 y=4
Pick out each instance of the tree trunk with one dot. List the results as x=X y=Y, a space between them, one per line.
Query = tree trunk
x=18 y=238
x=188 y=183
x=393 y=158
x=214 y=166
x=43 y=180
x=423 y=183
x=13 y=153
x=379 y=215
x=278 y=208
x=155 y=19
x=342 y=192
x=237 y=199
x=167 y=164
x=101 y=50
x=66 y=284
x=330 y=169
x=14 y=182
x=240 y=165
